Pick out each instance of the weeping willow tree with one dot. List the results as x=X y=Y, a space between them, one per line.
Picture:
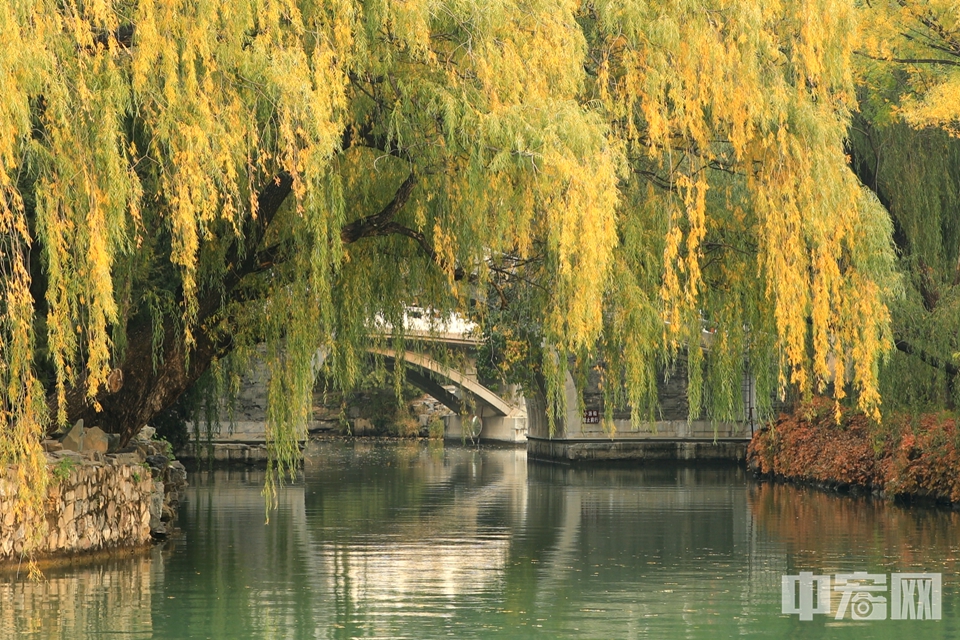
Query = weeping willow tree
x=742 y=215
x=904 y=147
x=183 y=181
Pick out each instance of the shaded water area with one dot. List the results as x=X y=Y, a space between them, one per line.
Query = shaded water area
x=416 y=540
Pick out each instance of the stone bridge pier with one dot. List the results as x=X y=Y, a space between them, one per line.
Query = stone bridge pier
x=488 y=425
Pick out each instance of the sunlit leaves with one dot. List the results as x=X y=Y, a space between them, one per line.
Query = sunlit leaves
x=911 y=56
x=755 y=98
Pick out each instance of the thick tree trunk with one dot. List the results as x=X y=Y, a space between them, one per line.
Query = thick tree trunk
x=146 y=391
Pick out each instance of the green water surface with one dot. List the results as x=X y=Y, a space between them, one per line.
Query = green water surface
x=418 y=540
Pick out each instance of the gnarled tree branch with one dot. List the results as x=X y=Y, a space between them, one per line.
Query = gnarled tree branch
x=381 y=223
x=937 y=363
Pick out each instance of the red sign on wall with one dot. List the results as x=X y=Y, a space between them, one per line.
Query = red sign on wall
x=591 y=416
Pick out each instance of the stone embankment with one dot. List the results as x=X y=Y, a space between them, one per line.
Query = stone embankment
x=224 y=453
x=96 y=501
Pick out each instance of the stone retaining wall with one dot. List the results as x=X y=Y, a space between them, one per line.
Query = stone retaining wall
x=94 y=503
x=224 y=453
x=639 y=449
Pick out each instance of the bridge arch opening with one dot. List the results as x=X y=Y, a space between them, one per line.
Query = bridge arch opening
x=423 y=371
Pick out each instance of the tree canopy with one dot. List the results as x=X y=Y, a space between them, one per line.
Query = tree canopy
x=182 y=181
x=904 y=146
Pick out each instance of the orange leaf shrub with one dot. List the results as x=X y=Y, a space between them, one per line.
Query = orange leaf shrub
x=913 y=456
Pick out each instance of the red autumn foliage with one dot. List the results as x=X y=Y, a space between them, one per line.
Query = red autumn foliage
x=905 y=456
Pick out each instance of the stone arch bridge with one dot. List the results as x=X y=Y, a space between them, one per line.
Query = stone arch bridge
x=510 y=415
x=489 y=414
x=479 y=413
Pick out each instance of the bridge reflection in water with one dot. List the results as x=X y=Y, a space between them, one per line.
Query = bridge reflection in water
x=413 y=540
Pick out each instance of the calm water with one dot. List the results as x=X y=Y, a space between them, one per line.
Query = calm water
x=410 y=540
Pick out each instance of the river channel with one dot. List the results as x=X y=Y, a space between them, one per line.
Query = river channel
x=420 y=540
